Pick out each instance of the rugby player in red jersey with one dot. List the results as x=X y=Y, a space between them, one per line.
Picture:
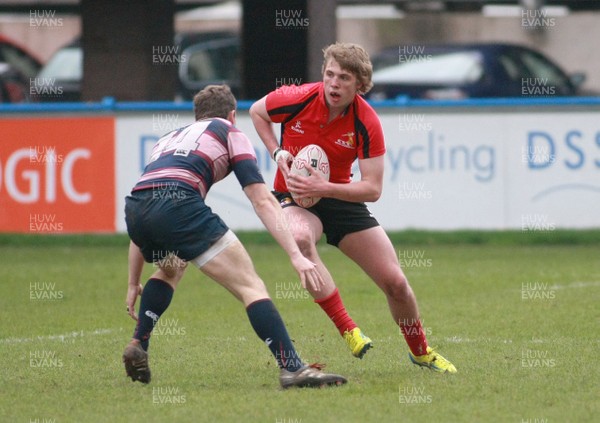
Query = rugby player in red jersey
x=333 y=115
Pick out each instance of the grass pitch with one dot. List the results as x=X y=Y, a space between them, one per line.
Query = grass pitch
x=517 y=314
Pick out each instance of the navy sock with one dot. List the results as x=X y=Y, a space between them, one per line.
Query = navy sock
x=156 y=297
x=269 y=327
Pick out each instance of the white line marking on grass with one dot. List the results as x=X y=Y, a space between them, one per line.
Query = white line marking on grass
x=575 y=285
x=62 y=337
x=453 y=340
x=461 y=340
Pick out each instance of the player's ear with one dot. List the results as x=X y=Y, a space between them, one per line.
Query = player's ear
x=359 y=85
x=231 y=117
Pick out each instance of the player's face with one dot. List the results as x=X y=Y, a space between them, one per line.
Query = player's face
x=340 y=85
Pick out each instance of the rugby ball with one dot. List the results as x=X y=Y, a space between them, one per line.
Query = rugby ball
x=314 y=156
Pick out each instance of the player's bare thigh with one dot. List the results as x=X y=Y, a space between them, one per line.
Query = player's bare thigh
x=233 y=269
x=373 y=251
x=305 y=227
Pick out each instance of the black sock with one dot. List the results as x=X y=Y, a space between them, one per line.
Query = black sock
x=269 y=327
x=156 y=297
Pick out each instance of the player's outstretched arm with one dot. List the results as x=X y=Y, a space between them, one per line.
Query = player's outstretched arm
x=134 y=287
x=271 y=215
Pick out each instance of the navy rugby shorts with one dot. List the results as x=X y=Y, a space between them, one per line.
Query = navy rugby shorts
x=175 y=221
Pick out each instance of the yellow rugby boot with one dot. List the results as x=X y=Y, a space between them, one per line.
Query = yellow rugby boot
x=358 y=342
x=433 y=361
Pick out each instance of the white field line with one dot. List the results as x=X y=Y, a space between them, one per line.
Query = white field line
x=489 y=341
x=464 y=340
x=388 y=340
x=575 y=285
x=61 y=337
x=459 y=340
x=453 y=339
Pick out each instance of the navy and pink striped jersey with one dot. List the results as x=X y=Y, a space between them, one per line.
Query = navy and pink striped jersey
x=199 y=155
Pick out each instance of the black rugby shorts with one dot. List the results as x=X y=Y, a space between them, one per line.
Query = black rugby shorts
x=339 y=218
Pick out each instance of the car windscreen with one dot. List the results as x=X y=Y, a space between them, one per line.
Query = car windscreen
x=19 y=60
x=65 y=65
x=216 y=60
x=460 y=67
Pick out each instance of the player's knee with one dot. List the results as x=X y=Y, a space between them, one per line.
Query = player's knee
x=173 y=268
x=173 y=272
x=250 y=288
x=305 y=242
x=396 y=285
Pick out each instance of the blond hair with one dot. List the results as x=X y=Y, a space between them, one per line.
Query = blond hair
x=352 y=58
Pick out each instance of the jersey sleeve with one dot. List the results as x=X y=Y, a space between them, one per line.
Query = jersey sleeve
x=243 y=159
x=287 y=99
x=371 y=141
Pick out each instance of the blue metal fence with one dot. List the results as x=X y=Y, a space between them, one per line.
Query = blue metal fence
x=109 y=104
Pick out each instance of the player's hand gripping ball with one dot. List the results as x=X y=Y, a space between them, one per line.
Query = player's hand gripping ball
x=314 y=156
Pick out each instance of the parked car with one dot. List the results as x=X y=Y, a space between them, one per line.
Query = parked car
x=212 y=58
x=60 y=78
x=203 y=59
x=456 y=71
x=18 y=68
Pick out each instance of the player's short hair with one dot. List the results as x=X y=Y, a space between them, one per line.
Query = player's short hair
x=214 y=101
x=352 y=58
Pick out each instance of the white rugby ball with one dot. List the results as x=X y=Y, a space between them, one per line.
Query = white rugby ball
x=314 y=156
